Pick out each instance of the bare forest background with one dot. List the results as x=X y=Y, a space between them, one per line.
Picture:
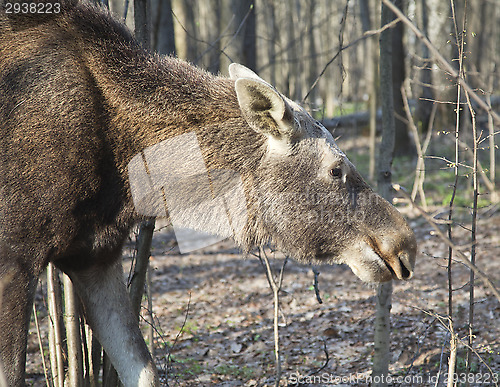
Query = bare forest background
x=320 y=53
x=208 y=317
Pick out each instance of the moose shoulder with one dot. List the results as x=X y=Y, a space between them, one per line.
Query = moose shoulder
x=97 y=134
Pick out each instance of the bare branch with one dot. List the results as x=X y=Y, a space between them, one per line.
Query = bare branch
x=441 y=61
x=276 y=287
x=366 y=35
x=462 y=257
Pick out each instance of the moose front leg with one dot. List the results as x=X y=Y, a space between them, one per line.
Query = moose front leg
x=17 y=291
x=108 y=312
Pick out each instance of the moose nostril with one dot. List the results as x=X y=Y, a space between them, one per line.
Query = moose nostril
x=406 y=272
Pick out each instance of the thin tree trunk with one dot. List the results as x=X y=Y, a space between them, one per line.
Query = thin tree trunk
x=95 y=359
x=210 y=30
x=141 y=265
x=313 y=63
x=164 y=36
x=372 y=80
x=381 y=357
x=403 y=144
x=109 y=374
x=142 y=22
x=240 y=44
x=92 y=356
x=189 y=37
x=275 y=287
x=481 y=34
x=40 y=346
x=452 y=360
x=473 y=240
x=74 y=342
x=272 y=32
x=425 y=104
x=55 y=328
x=382 y=320
x=291 y=73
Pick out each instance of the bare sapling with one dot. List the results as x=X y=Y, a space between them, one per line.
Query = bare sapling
x=275 y=285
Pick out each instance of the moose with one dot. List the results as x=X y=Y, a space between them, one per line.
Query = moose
x=82 y=105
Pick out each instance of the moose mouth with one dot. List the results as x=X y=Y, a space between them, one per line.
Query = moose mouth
x=405 y=274
x=370 y=264
x=398 y=266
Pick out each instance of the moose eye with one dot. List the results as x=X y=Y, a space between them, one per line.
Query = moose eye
x=336 y=172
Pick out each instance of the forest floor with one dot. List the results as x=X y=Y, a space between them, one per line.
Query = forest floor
x=213 y=313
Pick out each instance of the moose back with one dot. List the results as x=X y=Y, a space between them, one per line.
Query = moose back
x=97 y=134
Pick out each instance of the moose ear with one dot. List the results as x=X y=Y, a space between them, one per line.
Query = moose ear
x=265 y=110
x=237 y=71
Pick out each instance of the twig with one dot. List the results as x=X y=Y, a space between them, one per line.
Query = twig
x=275 y=287
x=169 y=359
x=316 y=284
x=418 y=185
x=445 y=323
x=181 y=330
x=473 y=231
x=366 y=35
x=153 y=325
x=327 y=360
x=461 y=256
x=487 y=182
x=441 y=61
x=150 y=329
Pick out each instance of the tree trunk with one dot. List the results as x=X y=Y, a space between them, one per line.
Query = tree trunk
x=141 y=265
x=372 y=80
x=55 y=327
x=142 y=22
x=240 y=44
x=92 y=357
x=312 y=51
x=291 y=72
x=382 y=340
x=74 y=341
x=210 y=31
x=164 y=36
x=424 y=106
x=403 y=143
x=187 y=35
x=273 y=34
x=382 y=319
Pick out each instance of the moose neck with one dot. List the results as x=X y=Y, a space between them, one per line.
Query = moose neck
x=147 y=99
x=153 y=99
